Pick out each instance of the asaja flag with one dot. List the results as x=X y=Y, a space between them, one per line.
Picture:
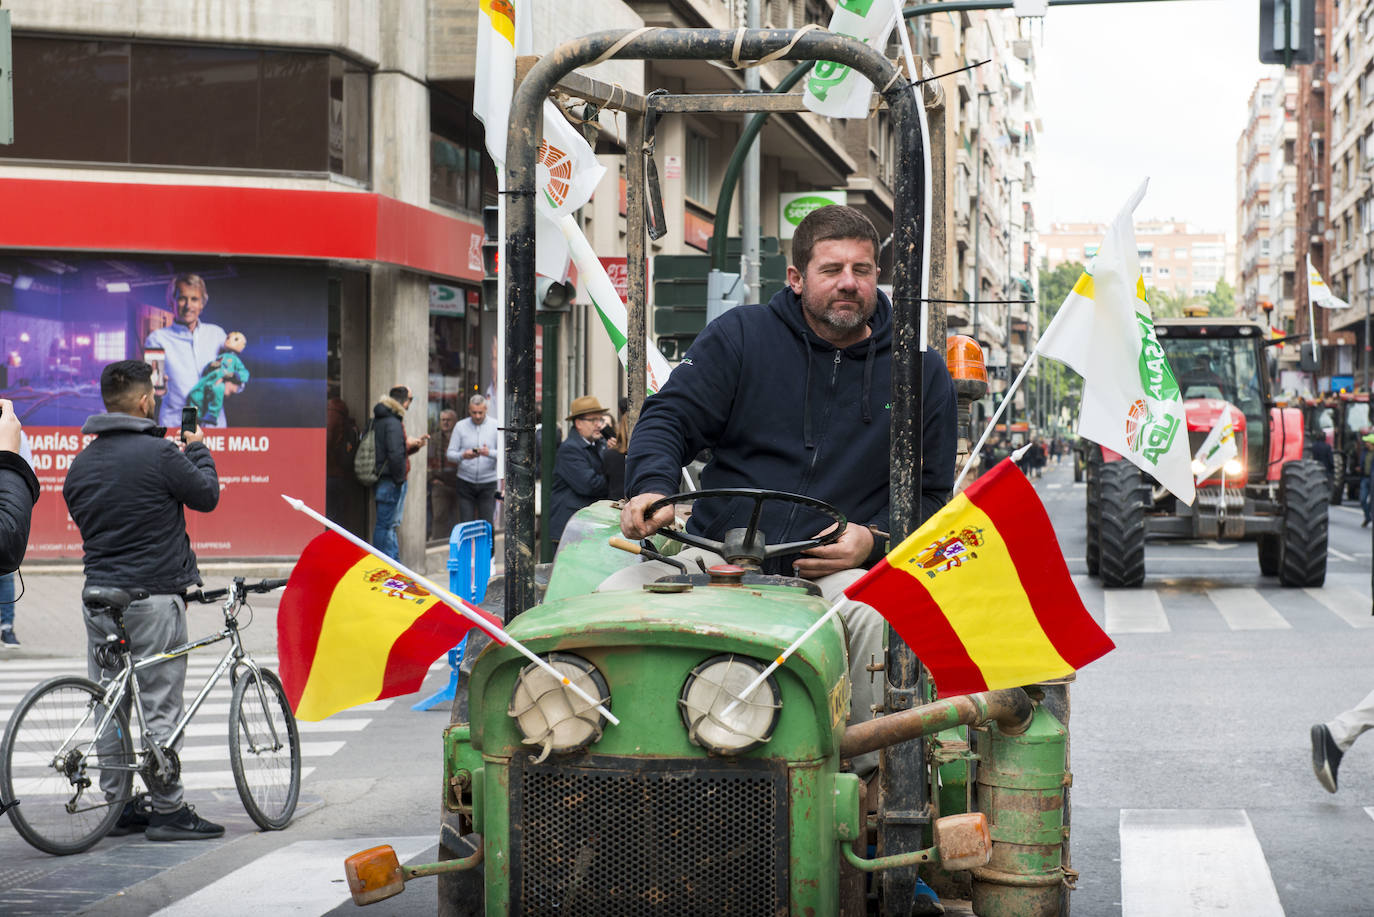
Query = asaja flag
x=981 y=592
x=835 y=90
x=503 y=33
x=350 y=630
x=566 y=172
x=1318 y=293
x=1219 y=447
x=1105 y=333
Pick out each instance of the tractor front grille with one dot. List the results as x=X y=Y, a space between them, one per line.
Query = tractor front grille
x=620 y=837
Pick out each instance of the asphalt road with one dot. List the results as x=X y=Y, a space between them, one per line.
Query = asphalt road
x=1193 y=792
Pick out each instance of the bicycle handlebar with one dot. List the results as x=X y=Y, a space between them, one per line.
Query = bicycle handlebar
x=206 y=596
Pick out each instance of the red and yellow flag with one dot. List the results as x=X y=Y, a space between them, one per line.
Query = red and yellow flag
x=350 y=630
x=981 y=592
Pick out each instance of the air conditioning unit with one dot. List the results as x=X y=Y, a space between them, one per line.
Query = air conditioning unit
x=933 y=46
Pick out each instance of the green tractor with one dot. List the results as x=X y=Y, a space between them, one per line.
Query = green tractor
x=683 y=808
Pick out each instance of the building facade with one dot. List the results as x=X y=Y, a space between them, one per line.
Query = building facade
x=1176 y=257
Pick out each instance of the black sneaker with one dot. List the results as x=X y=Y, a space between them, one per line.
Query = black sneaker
x=135 y=817
x=8 y=638
x=1326 y=757
x=182 y=825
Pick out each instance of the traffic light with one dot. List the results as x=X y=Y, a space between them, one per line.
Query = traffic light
x=552 y=296
x=491 y=257
x=1287 y=32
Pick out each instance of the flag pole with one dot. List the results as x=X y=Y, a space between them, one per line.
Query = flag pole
x=996 y=414
x=457 y=604
x=782 y=657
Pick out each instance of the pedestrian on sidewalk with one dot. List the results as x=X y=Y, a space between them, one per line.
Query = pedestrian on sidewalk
x=394 y=449
x=128 y=492
x=7 y=596
x=1331 y=740
x=1366 y=469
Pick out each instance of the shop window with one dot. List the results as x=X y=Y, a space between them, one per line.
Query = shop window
x=188 y=105
x=455 y=375
x=698 y=168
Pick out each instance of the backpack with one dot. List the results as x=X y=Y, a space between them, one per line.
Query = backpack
x=365 y=458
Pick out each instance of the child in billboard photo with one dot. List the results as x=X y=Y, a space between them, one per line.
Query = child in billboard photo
x=223 y=376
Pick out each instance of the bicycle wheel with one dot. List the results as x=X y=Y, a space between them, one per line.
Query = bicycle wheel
x=50 y=763
x=264 y=749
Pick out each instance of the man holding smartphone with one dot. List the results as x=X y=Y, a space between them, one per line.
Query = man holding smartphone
x=473 y=448
x=128 y=492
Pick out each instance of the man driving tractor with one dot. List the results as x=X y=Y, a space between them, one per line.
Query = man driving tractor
x=812 y=419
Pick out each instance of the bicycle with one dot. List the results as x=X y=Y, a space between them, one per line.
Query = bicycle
x=69 y=730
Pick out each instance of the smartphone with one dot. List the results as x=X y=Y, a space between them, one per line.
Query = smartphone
x=189 y=416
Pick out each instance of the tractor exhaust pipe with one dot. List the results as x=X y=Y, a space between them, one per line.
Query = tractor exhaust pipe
x=1010 y=709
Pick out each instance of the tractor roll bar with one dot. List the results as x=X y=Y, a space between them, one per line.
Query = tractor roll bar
x=522 y=143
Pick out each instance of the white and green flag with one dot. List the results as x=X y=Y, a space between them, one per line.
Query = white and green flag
x=1318 y=293
x=1219 y=447
x=1105 y=333
x=835 y=90
x=566 y=172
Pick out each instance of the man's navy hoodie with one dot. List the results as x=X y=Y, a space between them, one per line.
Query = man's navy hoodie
x=782 y=409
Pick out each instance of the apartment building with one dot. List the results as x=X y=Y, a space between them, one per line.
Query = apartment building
x=1176 y=257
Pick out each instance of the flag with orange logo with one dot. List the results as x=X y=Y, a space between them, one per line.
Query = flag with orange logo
x=350 y=630
x=981 y=592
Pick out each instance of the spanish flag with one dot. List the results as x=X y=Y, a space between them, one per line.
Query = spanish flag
x=981 y=592
x=350 y=629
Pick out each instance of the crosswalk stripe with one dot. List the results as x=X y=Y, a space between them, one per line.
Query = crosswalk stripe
x=1193 y=863
x=220 y=780
x=190 y=753
x=1346 y=604
x=300 y=878
x=1246 y=609
x=1369 y=810
x=1134 y=611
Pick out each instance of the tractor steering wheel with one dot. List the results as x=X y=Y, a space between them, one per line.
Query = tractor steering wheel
x=748 y=544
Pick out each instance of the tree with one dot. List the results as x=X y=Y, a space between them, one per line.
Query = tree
x=1222 y=300
x=1064 y=387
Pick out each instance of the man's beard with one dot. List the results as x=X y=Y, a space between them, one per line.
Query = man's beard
x=840 y=320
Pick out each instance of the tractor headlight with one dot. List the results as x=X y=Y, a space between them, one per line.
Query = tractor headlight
x=1198 y=468
x=711 y=687
x=553 y=717
x=1233 y=468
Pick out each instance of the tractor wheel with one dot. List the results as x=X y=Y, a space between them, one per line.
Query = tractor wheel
x=1077 y=467
x=1303 y=498
x=1337 y=478
x=1268 y=554
x=1092 y=550
x=1122 y=491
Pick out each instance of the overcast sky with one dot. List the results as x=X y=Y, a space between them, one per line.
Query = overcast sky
x=1155 y=89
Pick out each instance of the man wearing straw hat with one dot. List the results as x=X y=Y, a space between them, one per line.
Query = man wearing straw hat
x=578 y=477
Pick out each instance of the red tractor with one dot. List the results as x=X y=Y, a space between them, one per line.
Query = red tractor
x=1268 y=493
x=1341 y=420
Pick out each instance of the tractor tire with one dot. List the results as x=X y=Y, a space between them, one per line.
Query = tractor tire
x=1092 y=548
x=1122 y=492
x=1077 y=467
x=1268 y=545
x=1303 y=498
x=1337 y=478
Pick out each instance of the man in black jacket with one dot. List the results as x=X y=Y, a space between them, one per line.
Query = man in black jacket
x=393 y=447
x=796 y=396
x=128 y=492
x=18 y=492
x=579 y=479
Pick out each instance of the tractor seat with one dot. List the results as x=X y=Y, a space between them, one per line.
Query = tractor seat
x=110 y=599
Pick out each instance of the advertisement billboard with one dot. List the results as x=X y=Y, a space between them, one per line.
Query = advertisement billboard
x=243 y=341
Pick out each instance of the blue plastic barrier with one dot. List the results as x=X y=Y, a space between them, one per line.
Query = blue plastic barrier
x=469 y=568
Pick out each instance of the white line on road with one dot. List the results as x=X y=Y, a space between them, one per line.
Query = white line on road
x=1339 y=555
x=1134 y=611
x=1193 y=863
x=1369 y=810
x=1347 y=604
x=1246 y=609
x=1054 y=486
x=301 y=878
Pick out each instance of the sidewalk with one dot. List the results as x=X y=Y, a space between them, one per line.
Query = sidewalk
x=47 y=617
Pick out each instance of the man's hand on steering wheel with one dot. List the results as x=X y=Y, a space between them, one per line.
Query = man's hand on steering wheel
x=850 y=551
x=632 y=522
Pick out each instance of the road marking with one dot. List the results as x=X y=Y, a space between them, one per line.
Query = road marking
x=1193 y=862
x=1369 y=810
x=1054 y=486
x=301 y=878
x=219 y=780
x=199 y=753
x=1346 y=604
x=1246 y=609
x=1339 y=555
x=1134 y=611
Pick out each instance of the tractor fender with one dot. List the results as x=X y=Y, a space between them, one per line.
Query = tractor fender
x=1285 y=439
x=1110 y=456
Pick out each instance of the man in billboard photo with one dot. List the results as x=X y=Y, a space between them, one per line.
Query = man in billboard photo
x=189 y=345
x=128 y=492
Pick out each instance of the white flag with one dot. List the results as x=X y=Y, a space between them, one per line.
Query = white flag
x=835 y=90
x=503 y=33
x=1105 y=333
x=566 y=172
x=1219 y=447
x=1318 y=293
